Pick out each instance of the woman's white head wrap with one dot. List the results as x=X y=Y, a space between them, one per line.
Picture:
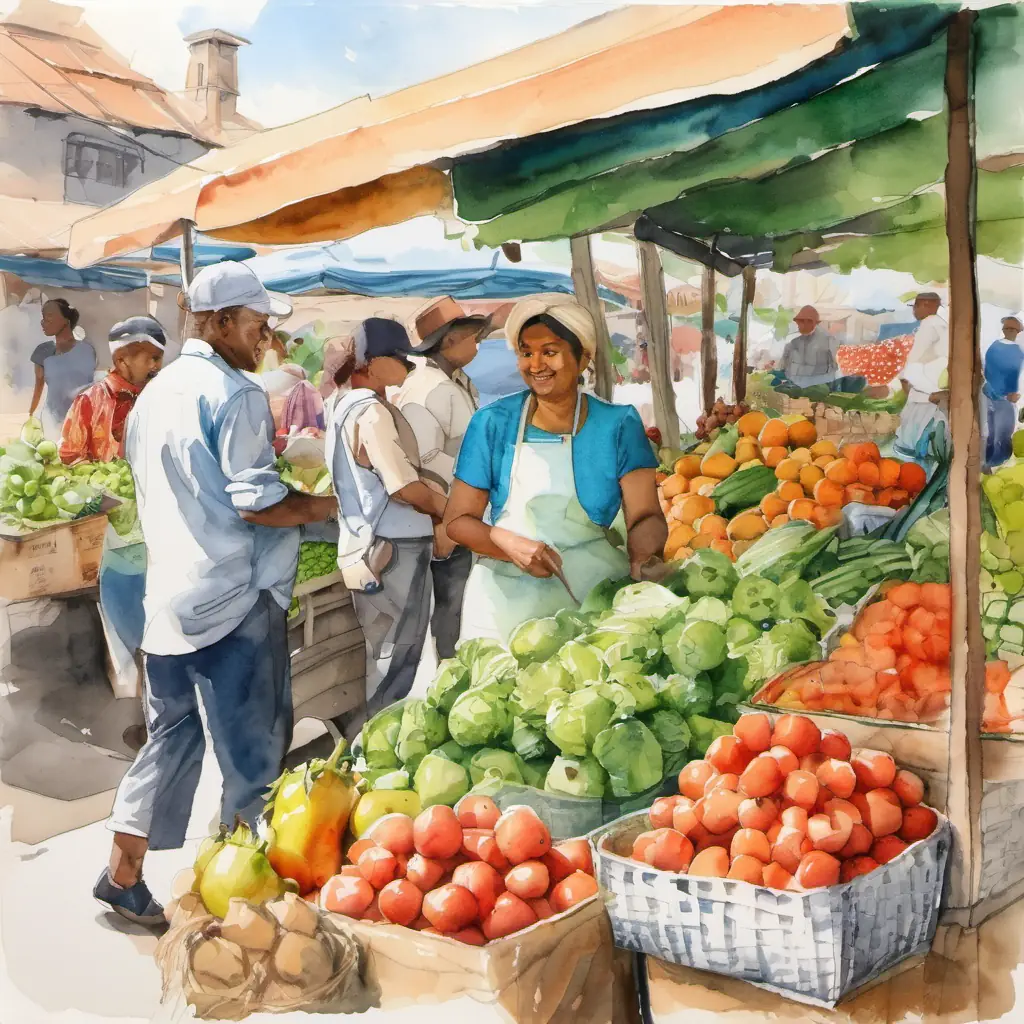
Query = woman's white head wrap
x=563 y=308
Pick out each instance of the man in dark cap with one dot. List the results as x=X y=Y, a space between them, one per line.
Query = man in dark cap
x=388 y=507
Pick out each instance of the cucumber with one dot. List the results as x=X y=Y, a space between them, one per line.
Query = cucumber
x=744 y=490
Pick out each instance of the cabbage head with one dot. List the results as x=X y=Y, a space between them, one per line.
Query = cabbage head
x=633 y=677
x=423 y=728
x=645 y=602
x=479 y=718
x=687 y=696
x=583 y=777
x=494 y=762
x=380 y=737
x=629 y=752
x=573 y=624
x=573 y=722
x=537 y=685
x=583 y=662
x=440 y=781
x=537 y=640
x=601 y=597
x=495 y=671
x=670 y=730
x=697 y=646
x=452 y=751
x=530 y=741
x=452 y=679
x=710 y=609
x=535 y=771
x=470 y=650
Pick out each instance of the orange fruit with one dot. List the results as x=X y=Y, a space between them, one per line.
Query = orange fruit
x=773 y=434
x=802 y=433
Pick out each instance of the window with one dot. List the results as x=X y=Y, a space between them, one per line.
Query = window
x=202 y=74
x=104 y=162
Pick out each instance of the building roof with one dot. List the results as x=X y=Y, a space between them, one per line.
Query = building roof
x=217 y=35
x=51 y=60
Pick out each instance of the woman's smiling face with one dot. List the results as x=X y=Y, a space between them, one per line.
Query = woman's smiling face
x=547 y=363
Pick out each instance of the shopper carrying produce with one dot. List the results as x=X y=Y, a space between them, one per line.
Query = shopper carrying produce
x=94 y=427
x=222 y=545
x=555 y=466
x=438 y=400
x=387 y=510
x=1003 y=362
x=925 y=379
x=64 y=365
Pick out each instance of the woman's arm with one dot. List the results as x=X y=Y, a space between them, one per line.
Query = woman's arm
x=646 y=529
x=38 y=392
x=464 y=521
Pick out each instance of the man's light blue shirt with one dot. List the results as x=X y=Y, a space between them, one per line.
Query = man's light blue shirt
x=199 y=442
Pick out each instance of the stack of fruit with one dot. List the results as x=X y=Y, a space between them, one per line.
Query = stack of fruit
x=892 y=665
x=474 y=874
x=721 y=415
x=786 y=806
x=879 y=363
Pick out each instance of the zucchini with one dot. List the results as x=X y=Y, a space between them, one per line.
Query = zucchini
x=785 y=551
x=743 y=490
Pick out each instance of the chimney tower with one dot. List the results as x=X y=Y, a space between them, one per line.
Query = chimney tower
x=212 y=77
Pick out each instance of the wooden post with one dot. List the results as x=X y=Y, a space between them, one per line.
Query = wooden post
x=967 y=663
x=708 y=344
x=584 y=282
x=659 y=342
x=739 y=352
x=187 y=257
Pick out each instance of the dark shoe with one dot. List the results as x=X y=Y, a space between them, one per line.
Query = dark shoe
x=134 y=737
x=135 y=904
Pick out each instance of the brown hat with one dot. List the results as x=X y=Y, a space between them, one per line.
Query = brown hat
x=437 y=317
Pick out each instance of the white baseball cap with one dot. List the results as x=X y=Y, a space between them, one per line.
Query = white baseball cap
x=232 y=284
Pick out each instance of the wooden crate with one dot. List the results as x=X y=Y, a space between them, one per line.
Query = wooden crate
x=328 y=654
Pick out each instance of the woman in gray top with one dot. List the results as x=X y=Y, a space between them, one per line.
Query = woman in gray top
x=65 y=365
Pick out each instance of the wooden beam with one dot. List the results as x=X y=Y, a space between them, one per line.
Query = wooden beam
x=659 y=342
x=739 y=352
x=647 y=230
x=584 y=282
x=967 y=662
x=187 y=256
x=708 y=344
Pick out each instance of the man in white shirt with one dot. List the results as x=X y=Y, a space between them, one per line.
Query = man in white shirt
x=222 y=545
x=925 y=379
x=439 y=400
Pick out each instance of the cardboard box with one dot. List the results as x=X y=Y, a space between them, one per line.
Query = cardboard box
x=565 y=970
x=54 y=560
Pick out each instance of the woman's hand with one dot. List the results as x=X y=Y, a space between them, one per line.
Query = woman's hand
x=532 y=556
x=654 y=570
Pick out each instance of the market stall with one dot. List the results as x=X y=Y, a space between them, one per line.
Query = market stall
x=767 y=760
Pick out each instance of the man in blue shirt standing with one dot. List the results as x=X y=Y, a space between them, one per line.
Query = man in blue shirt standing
x=1003 y=362
x=222 y=544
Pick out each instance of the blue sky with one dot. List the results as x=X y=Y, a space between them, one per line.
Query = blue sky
x=333 y=50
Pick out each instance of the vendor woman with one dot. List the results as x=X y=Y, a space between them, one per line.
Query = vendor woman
x=555 y=466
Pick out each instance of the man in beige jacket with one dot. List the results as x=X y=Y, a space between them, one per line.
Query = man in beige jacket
x=438 y=400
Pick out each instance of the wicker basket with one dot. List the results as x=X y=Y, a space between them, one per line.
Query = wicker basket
x=814 y=947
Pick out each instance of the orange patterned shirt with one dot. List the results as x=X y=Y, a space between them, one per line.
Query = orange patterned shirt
x=94 y=427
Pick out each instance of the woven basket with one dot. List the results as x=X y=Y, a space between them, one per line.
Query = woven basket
x=814 y=947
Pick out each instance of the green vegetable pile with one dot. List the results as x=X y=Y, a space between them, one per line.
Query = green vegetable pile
x=601 y=703
x=316 y=558
x=306 y=480
x=36 y=490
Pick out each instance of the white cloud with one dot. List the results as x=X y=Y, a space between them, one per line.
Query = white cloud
x=273 y=103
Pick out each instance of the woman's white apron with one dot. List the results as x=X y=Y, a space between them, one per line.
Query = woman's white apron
x=541 y=505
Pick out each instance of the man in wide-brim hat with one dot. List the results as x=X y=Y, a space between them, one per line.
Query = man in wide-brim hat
x=439 y=400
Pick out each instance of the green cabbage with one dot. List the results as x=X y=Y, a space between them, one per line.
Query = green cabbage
x=380 y=737
x=629 y=752
x=635 y=680
x=696 y=646
x=709 y=609
x=740 y=633
x=529 y=741
x=687 y=696
x=670 y=730
x=756 y=599
x=452 y=678
x=452 y=751
x=479 y=718
x=495 y=671
x=470 y=650
x=601 y=597
x=535 y=771
x=583 y=777
x=583 y=662
x=644 y=602
x=703 y=731
x=574 y=721
x=494 y=762
x=537 y=640
x=709 y=573
x=536 y=687
x=423 y=728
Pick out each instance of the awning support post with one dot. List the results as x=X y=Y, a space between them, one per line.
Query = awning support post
x=659 y=342
x=708 y=345
x=967 y=664
x=187 y=257
x=739 y=352
x=584 y=282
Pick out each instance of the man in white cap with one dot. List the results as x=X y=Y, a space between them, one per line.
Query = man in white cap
x=222 y=542
x=439 y=400
x=809 y=357
x=925 y=379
